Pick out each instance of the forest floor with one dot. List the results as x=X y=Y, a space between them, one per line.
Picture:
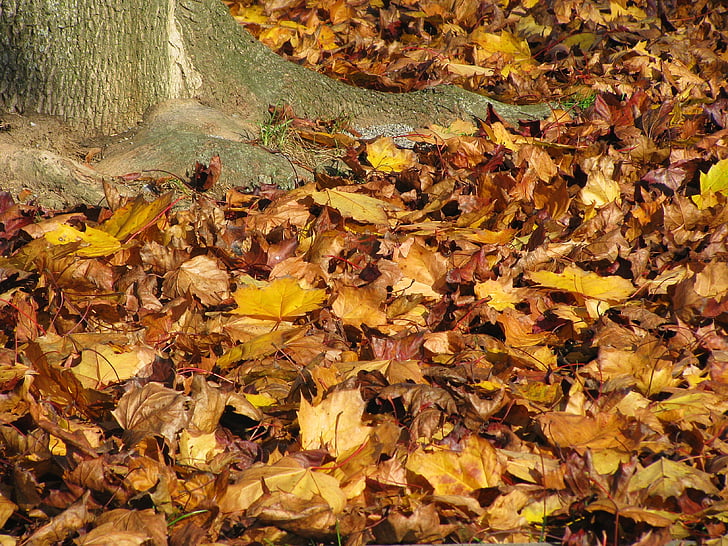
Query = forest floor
x=500 y=334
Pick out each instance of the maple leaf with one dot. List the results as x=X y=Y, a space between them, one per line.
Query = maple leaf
x=587 y=283
x=135 y=216
x=357 y=206
x=384 y=156
x=287 y=475
x=475 y=466
x=335 y=423
x=711 y=183
x=666 y=478
x=282 y=299
x=152 y=410
x=94 y=242
x=103 y=365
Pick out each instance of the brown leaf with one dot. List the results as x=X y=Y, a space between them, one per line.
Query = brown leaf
x=152 y=410
x=204 y=177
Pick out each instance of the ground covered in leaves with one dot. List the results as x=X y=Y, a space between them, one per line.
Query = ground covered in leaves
x=501 y=334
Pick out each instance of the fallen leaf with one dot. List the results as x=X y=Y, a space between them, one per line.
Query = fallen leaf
x=586 y=283
x=667 y=478
x=94 y=242
x=356 y=206
x=281 y=299
x=152 y=410
x=458 y=472
x=384 y=156
x=335 y=424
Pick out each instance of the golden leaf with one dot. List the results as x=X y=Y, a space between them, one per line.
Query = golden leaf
x=384 y=156
x=356 y=206
x=94 y=242
x=282 y=299
x=334 y=424
x=587 y=283
x=458 y=472
x=135 y=216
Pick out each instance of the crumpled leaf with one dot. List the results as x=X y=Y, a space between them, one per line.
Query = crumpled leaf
x=286 y=475
x=127 y=527
x=201 y=277
x=153 y=410
x=282 y=299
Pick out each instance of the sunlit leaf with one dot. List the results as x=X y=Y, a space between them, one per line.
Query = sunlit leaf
x=587 y=283
x=103 y=365
x=384 y=156
x=152 y=410
x=94 y=242
x=712 y=182
x=135 y=216
x=282 y=299
x=335 y=424
x=357 y=206
x=667 y=478
x=460 y=472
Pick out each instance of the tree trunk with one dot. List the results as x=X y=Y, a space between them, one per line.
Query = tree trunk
x=100 y=66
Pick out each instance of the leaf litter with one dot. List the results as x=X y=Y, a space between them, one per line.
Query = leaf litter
x=506 y=334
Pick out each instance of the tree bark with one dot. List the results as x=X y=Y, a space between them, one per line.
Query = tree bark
x=101 y=65
x=190 y=82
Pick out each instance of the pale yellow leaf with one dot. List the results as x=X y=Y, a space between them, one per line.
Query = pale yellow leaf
x=103 y=365
x=335 y=423
x=587 y=283
x=356 y=206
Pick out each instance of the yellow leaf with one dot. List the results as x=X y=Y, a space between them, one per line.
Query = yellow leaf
x=197 y=449
x=586 y=283
x=359 y=305
x=250 y=14
x=286 y=475
x=713 y=182
x=356 y=206
x=282 y=299
x=103 y=365
x=135 y=216
x=599 y=190
x=666 y=478
x=260 y=400
x=500 y=294
x=458 y=472
x=514 y=48
x=384 y=156
x=259 y=346
x=94 y=242
x=334 y=424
